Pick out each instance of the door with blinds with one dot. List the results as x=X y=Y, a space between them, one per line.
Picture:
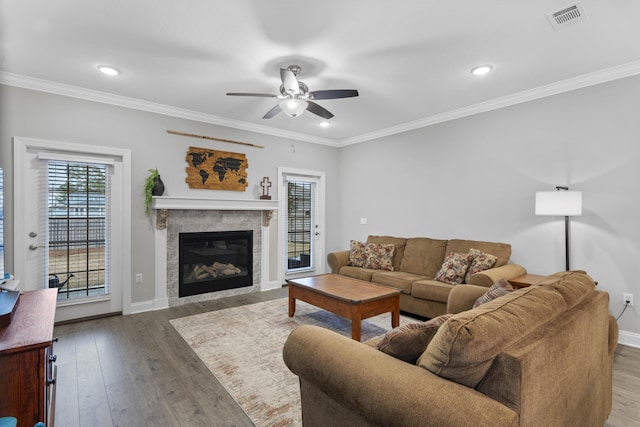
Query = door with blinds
x=71 y=220
x=301 y=221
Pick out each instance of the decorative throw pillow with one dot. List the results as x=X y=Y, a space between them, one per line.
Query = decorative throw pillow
x=357 y=257
x=408 y=342
x=481 y=261
x=379 y=256
x=498 y=289
x=454 y=268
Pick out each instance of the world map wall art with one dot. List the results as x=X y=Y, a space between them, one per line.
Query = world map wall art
x=216 y=170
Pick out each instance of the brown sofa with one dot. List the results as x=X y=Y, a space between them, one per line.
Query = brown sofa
x=416 y=262
x=540 y=356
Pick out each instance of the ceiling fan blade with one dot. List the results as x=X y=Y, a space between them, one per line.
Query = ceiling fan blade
x=333 y=94
x=263 y=95
x=275 y=110
x=318 y=110
x=289 y=81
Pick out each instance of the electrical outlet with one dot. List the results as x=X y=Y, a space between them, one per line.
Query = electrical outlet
x=628 y=299
x=138 y=277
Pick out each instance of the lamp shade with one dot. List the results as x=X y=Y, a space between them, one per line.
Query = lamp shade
x=293 y=107
x=559 y=203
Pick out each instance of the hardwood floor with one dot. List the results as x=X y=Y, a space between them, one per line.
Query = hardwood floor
x=137 y=371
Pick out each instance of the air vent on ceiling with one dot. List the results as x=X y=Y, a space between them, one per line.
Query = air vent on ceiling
x=567 y=16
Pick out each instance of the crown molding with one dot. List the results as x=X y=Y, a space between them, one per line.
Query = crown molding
x=42 y=85
x=585 y=80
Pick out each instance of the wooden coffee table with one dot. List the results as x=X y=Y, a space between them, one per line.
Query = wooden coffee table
x=346 y=297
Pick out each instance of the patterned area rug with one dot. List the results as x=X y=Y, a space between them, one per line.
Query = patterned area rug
x=242 y=346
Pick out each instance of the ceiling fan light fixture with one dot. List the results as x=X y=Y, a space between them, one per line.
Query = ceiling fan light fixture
x=481 y=70
x=108 y=70
x=293 y=107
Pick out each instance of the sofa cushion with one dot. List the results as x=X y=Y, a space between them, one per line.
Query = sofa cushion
x=359 y=273
x=357 y=256
x=501 y=250
x=423 y=256
x=432 y=290
x=398 y=242
x=379 y=256
x=481 y=261
x=396 y=279
x=498 y=289
x=454 y=268
x=573 y=285
x=408 y=342
x=464 y=347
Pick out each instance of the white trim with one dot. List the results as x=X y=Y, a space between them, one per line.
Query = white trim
x=123 y=266
x=141 y=307
x=629 y=338
x=164 y=202
x=589 y=79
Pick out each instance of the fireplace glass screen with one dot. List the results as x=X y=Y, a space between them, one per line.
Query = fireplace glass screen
x=215 y=261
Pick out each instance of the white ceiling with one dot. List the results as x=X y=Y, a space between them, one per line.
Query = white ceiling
x=410 y=59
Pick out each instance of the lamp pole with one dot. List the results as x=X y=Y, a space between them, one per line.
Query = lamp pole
x=566 y=241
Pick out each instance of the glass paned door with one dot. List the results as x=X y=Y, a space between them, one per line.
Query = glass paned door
x=77 y=229
x=300 y=214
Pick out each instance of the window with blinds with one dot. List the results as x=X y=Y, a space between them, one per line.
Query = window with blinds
x=300 y=223
x=77 y=227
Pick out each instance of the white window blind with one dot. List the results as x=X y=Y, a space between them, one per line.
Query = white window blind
x=299 y=233
x=75 y=215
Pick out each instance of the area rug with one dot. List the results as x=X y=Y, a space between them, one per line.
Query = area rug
x=242 y=346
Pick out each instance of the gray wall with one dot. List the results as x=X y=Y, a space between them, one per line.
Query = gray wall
x=470 y=178
x=36 y=114
x=476 y=178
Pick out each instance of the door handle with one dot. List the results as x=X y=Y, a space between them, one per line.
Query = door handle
x=34 y=247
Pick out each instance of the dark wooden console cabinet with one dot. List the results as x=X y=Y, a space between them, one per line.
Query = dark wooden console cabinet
x=27 y=363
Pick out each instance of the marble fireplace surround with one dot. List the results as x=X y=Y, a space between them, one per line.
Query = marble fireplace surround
x=184 y=214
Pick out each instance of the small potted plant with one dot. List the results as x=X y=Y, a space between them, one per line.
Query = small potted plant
x=153 y=186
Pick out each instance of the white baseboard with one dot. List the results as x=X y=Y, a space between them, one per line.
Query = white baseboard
x=267 y=286
x=141 y=307
x=629 y=338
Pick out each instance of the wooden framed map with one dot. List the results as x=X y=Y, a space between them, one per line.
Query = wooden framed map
x=216 y=170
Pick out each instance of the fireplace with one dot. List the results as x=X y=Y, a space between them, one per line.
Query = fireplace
x=214 y=261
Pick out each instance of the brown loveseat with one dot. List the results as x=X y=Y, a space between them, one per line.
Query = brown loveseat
x=416 y=262
x=540 y=356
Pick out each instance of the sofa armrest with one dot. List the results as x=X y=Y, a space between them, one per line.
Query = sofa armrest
x=492 y=275
x=336 y=260
x=613 y=335
x=462 y=297
x=383 y=390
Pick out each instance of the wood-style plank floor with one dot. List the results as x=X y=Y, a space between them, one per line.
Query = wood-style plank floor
x=137 y=371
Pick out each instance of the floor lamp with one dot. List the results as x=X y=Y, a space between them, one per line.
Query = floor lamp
x=560 y=203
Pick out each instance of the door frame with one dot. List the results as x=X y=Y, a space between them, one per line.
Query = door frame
x=121 y=267
x=282 y=218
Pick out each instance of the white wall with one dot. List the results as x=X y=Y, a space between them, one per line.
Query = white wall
x=476 y=178
x=36 y=114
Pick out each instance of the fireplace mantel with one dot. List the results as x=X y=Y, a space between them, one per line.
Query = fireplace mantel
x=195 y=203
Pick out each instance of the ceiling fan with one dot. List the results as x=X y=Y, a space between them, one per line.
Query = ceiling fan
x=296 y=98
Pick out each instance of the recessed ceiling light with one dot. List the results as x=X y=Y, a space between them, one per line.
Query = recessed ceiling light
x=108 y=70
x=481 y=70
x=324 y=124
